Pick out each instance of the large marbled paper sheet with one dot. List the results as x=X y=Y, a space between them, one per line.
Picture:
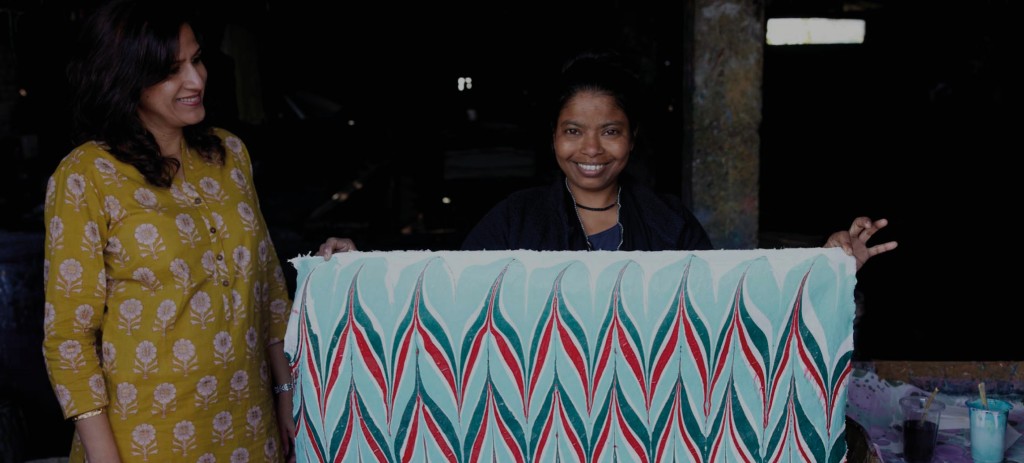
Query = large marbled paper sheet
x=572 y=356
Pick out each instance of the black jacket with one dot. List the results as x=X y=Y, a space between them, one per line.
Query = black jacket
x=542 y=219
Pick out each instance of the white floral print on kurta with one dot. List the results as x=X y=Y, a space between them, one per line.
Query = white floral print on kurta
x=71 y=355
x=100 y=289
x=129 y=313
x=248 y=218
x=145 y=359
x=108 y=172
x=184 y=438
x=212 y=189
x=49 y=315
x=83 y=317
x=187 y=229
x=148 y=279
x=184 y=356
x=164 y=399
x=237 y=307
x=250 y=342
x=182 y=275
x=91 y=238
x=215 y=222
x=222 y=430
x=55 y=233
x=263 y=251
x=165 y=315
x=118 y=254
x=114 y=210
x=108 y=357
x=269 y=449
x=76 y=191
x=116 y=286
x=253 y=421
x=200 y=309
x=206 y=391
x=223 y=350
x=150 y=243
x=147 y=199
x=70 y=278
x=65 y=400
x=127 y=400
x=264 y=371
x=51 y=190
x=278 y=274
x=260 y=292
x=240 y=455
x=99 y=389
x=179 y=196
x=189 y=190
x=233 y=144
x=144 y=441
x=222 y=228
x=216 y=269
x=279 y=309
x=239 y=386
x=239 y=178
x=242 y=258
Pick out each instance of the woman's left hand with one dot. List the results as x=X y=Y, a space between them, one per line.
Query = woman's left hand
x=286 y=425
x=855 y=240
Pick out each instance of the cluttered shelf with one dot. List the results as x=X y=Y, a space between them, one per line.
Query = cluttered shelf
x=876 y=387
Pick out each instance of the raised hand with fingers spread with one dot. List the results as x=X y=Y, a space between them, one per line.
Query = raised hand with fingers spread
x=855 y=240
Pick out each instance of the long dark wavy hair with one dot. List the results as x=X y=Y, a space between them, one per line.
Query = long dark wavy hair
x=125 y=47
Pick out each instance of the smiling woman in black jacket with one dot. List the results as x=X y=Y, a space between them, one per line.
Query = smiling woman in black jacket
x=594 y=122
x=595 y=204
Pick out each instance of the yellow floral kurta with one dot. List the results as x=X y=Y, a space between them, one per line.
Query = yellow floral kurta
x=160 y=303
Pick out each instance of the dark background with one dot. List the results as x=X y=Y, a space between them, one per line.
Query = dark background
x=918 y=124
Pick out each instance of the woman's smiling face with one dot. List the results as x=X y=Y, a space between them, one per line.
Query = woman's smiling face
x=177 y=101
x=592 y=142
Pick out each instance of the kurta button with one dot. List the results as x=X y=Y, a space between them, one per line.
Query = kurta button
x=225 y=283
x=199 y=200
x=220 y=256
x=213 y=230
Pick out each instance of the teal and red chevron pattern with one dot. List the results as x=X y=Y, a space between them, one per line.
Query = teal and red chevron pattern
x=524 y=356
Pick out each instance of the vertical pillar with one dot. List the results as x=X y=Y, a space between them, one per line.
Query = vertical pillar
x=726 y=56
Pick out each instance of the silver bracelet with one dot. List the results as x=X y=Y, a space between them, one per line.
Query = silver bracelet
x=283 y=388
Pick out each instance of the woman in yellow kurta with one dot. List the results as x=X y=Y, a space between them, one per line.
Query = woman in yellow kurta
x=165 y=301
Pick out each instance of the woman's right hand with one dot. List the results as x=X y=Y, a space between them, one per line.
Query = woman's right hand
x=333 y=245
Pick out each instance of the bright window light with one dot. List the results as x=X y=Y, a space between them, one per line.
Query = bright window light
x=813 y=31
